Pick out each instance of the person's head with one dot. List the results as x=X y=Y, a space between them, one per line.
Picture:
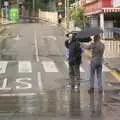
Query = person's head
x=74 y=36
x=67 y=35
x=96 y=38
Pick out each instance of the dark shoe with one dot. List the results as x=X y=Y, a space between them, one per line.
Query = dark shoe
x=91 y=90
x=72 y=86
x=100 y=91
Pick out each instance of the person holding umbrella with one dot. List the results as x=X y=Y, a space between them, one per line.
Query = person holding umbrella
x=97 y=48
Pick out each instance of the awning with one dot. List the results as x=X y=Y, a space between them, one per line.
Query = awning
x=111 y=10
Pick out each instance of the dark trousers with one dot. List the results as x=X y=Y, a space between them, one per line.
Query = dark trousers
x=74 y=74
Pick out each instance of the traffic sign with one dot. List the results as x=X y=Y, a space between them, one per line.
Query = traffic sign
x=60 y=3
x=6 y=3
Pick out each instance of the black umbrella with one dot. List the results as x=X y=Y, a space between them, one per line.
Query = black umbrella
x=84 y=39
x=88 y=39
x=88 y=32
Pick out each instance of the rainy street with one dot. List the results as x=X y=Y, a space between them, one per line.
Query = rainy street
x=34 y=73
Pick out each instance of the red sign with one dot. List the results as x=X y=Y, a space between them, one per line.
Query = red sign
x=107 y=3
x=59 y=3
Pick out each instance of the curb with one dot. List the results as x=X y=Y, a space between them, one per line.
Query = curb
x=47 y=20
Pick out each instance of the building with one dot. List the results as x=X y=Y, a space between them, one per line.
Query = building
x=104 y=14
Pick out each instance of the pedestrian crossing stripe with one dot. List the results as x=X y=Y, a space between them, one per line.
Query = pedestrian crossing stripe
x=81 y=69
x=49 y=66
x=3 y=66
x=24 y=67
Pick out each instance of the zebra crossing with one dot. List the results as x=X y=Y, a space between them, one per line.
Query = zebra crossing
x=48 y=66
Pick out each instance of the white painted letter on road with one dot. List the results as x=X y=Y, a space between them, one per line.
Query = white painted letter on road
x=3 y=66
x=4 y=85
x=23 y=83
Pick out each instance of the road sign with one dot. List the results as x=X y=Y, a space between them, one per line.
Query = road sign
x=14 y=15
x=59 y=3
x=6 y=3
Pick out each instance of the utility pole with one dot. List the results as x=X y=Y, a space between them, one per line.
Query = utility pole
x=33 y=8
x=67 y=14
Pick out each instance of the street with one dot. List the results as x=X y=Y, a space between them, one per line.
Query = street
x=33 y=77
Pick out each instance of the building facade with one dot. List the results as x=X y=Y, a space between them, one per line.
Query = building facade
x=104 y=14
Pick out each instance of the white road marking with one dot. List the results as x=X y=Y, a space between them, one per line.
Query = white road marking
x=24 y=67
x=36 y=47
x=3 y=66
x=52 y=37
x=4 y=86
x=17 y=37
x=81 y=69
x=24 y=84
x=39 y=80
x=49 y=66
x=19 y=94
x=49 y=37
x=105 y=69
x=66 y=63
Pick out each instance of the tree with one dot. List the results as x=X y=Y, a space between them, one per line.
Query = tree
x=78 y=15
x=39 y=4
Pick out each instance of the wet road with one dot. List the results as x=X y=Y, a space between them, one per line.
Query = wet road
x=33 y=78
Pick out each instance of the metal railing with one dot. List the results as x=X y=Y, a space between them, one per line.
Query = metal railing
x=110 y=34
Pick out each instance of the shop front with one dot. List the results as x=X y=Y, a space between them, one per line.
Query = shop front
x=103 y=14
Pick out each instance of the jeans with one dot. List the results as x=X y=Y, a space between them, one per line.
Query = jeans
x=96 y=67
x=74 y=74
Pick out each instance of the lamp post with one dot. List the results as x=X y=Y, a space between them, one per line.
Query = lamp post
x=67 y=14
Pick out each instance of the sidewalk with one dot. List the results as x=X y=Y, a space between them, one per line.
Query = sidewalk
x=112 y=54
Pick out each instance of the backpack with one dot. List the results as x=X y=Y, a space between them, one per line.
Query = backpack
x=75 y=52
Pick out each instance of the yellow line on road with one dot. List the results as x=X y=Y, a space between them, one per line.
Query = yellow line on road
x=116 y=75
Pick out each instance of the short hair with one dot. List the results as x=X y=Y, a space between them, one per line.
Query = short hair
x=97 y=37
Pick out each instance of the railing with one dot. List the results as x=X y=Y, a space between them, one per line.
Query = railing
x=109 y=34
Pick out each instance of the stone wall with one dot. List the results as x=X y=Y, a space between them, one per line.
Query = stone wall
x=48 y=16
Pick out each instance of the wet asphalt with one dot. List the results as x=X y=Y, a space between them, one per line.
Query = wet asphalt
x=41 y=95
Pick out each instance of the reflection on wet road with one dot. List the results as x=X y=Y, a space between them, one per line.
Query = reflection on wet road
x=36 y=90
x=62 y=103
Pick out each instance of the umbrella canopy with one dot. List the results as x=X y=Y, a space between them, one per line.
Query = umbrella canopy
x=88 y=39
x=88 y=33
x=84 y=39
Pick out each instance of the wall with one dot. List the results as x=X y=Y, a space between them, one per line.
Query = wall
x=107 y=3
x=93 y=6
x=98 y=5
x=48 y=16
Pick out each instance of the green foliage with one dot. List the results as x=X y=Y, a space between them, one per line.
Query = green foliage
x=40 y=4
x=78 y=15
